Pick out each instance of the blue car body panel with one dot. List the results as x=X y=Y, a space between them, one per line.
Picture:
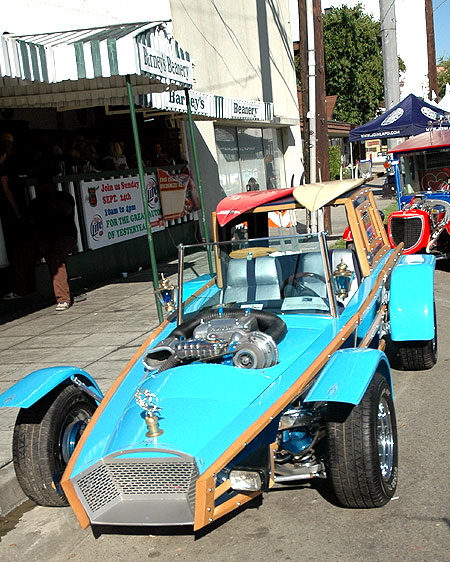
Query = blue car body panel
x=412 y=299
x=347 y=375
x=37 y=384
x=212 y=406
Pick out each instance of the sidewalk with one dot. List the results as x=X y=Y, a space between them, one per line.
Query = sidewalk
x=99 y=335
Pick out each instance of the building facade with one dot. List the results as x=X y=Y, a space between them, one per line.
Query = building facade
x=243 y=101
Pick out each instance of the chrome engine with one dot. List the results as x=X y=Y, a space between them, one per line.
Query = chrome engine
x=237 y=339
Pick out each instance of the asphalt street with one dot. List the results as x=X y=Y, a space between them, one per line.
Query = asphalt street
x=301 y=522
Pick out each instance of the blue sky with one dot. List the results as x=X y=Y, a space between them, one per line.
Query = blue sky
x=441 y=10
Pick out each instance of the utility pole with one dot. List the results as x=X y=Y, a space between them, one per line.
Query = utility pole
x=322 y=154
x=313 y=107
x=304 y=84
x=431 y=50
x=390 y=58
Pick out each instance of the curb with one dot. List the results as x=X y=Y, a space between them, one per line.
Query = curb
x=11 y=494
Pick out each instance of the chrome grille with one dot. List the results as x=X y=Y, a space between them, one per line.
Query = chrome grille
x=114 y=480
x=407 y=230
x=98 y=488
x=147 y=478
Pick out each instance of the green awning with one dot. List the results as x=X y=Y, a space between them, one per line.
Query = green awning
x=86 y=68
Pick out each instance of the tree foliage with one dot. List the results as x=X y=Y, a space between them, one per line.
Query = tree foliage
x=443 y=76
x=353 y=63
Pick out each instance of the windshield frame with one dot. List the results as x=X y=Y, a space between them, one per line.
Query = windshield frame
x=215 y=247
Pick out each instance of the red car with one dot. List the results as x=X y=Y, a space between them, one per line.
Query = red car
x=423 y=194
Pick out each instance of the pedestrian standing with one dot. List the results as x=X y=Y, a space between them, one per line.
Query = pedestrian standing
x=53 y=220
x=13 y=213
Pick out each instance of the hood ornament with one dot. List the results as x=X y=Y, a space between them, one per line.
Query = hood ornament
x=148 y=401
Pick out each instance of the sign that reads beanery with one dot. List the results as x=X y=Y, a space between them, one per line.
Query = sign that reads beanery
x=113 y=209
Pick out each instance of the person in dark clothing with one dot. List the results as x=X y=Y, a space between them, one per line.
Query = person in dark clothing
x=53 y=220
x=18 y=242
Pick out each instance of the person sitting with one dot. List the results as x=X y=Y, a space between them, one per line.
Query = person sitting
x=115 y=158
x=159 y=158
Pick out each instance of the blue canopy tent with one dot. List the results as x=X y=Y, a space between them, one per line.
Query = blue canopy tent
x=409 y=117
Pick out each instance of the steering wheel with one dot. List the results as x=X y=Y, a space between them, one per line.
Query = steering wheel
x=293 y=287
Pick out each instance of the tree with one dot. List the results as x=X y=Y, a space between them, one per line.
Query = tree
x=443 y=76
x=353 y=63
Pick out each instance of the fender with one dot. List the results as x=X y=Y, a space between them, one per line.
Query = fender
x=347 y=375
x=411 y=308
x=37 y=384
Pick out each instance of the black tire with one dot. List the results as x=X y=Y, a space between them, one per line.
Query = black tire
x=44 y=437
x=418 y=355
x=362 y=450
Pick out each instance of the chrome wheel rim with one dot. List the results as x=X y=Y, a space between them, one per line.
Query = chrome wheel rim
x=74 y=426
x=385 y=440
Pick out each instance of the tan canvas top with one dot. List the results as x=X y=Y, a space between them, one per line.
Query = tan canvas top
x=313 y=196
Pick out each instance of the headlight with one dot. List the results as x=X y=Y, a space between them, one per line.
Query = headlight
x=245 y=481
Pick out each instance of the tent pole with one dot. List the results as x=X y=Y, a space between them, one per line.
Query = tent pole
x=198 y=180
x=148 y=227
x=351 y=158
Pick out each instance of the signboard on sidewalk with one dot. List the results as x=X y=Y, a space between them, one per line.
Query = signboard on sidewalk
x=113 y=209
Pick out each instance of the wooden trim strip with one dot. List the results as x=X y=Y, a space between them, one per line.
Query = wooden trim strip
x=216 y=249
x=204 y=501
x=357 y=237
x=201 y=517
x=378 y=317
x=233 y=503
x=379 y=223
x=222 y=488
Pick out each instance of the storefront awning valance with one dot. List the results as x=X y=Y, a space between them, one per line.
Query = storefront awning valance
x=209 y=105
x=85 y=68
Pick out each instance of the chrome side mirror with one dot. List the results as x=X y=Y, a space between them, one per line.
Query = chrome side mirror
x=167 y=294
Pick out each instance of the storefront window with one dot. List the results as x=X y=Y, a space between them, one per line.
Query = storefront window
x=249 y=159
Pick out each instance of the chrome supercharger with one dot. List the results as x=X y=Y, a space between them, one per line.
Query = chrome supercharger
x=236 y=338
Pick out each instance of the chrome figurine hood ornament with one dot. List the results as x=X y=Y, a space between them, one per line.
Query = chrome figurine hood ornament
x=148 y=401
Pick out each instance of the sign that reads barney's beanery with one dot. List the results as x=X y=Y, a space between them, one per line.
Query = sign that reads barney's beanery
x=113 y=209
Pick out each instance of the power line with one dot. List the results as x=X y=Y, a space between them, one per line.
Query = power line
x=437 y=7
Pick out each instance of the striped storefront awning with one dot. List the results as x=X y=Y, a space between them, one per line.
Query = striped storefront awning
x=85 y=68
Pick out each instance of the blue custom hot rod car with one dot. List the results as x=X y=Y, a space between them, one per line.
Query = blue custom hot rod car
x=270 y=371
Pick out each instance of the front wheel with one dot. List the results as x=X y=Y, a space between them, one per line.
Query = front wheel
x=362 y=450
x=45 y=436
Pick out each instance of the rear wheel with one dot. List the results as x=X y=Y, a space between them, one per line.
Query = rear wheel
x=418 y=355
x=362 y=448
x=45 y=436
